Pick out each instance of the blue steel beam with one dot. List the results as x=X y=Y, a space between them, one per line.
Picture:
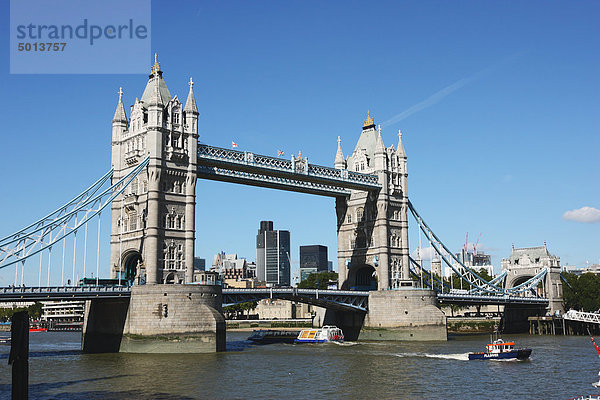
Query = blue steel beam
x=347 y=300
x=273 y=182
x=250 y=166
x=472 y=299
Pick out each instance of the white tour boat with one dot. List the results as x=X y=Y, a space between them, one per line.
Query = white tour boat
x=320 y=335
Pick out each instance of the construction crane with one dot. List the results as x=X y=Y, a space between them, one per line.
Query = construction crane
x=476 y=243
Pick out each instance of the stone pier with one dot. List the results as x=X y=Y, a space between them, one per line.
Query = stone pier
x=403 y=315
x=157 y=319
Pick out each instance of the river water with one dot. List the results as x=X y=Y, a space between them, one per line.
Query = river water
x=560 y=367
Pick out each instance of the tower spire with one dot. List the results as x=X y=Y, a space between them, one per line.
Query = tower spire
x=120 y=115
x=190 y=104
x=379 y=147
x=339 y=163
x=369 y=121
x=400 y=146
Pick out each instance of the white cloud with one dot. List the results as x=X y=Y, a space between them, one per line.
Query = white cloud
x=589 y=215
x=427 y=253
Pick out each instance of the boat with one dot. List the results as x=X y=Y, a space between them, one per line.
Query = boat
x=37 y=329
x=501 y=350
x=4 y=340
x=321 y=335
x=268 y=336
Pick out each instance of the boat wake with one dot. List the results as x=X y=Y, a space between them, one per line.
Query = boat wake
x=345 y=343
x=460 y=356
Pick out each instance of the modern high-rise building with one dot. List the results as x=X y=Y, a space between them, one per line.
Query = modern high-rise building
x=312 y=259
x=272 y=255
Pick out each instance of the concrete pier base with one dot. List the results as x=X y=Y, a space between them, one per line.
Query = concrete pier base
x=157 y=319
x=405 y=314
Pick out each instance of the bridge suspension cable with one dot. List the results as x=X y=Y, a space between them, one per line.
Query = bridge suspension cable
x=64 y=221
x=479 y=284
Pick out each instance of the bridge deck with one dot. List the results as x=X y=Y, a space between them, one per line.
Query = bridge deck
x=63 y=293
x=349 y=300
x=472 y=299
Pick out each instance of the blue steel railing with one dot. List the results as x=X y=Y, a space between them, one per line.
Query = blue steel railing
x=297 y=169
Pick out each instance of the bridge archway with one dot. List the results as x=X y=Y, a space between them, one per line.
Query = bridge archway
x=363 y=277
x=131 y=260
x=517 y=280
x=170 y=278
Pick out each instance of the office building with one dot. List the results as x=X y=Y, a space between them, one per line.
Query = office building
x=272 y=255
x=312 y=259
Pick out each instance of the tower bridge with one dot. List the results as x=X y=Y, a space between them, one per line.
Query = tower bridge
x=156 y=162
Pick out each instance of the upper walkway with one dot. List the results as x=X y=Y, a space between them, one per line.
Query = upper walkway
x=297 y=175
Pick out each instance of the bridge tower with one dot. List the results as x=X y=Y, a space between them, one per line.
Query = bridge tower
x=152 y=232
x=525 y=263
x=372 y=227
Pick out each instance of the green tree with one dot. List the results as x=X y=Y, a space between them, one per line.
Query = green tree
x=581 y=292
x=318 y=280
x=570 y=296
x=235 y=310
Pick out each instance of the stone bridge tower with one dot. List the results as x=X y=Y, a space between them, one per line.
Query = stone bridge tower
x=152 y=232
x=525 y=263
x=373 y=227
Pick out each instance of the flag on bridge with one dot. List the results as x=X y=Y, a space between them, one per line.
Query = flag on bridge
x=233 y=144
x=280 y=153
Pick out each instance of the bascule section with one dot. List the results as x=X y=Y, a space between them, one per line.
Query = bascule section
x=152 y=233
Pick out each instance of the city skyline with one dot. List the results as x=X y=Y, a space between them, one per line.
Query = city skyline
x=500 y=127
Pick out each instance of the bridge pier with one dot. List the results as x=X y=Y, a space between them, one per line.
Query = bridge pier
x=405 y=314
x=157 y=319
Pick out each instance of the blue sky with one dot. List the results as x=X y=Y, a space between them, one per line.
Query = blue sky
x=498 y=103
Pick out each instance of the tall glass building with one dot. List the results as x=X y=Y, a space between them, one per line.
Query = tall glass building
x=312 y=259
x=272 y=255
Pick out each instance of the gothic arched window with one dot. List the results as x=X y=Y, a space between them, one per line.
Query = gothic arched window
x=360 y=213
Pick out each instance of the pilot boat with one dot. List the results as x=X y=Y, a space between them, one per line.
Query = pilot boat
x=501 y=350
x=325 y=334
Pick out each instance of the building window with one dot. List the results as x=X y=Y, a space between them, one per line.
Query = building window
x=360 y=213
x=175 y=118
x=349 y=218
x=132 y=220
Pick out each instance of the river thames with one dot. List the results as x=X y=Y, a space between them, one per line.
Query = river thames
x=560 y=367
